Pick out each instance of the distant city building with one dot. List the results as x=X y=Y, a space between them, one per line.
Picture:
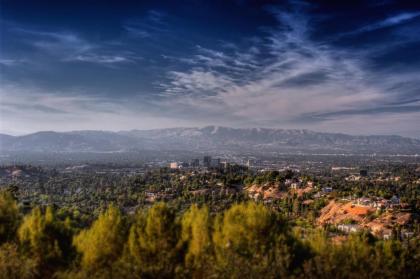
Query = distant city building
x=327 y=189
x=386 y=234
x=353 y=178
x=225 y=164
x=173 y=165
x=341 y=168
x=253 y=163
x=195 y=163
x=207 y=161
x=215 y=163
x=363 y=173
x=363 y=201
x=348 y=228
x=295 y=185
x=395 y=200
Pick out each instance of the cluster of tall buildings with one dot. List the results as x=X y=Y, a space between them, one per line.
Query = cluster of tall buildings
x=210 y=162
x=207 y=162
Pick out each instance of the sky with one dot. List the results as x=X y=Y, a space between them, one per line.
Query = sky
x=121 y=65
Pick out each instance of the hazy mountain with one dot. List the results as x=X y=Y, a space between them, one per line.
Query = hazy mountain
x=208 y=139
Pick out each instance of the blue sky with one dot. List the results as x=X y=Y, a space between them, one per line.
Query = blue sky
x=117 y=65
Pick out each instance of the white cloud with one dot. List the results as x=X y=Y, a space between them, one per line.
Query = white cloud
x=390 y=21
x=145 y=27
x=271 y=84
x=68 y=47
x=59 y=43
x=24 y=110
x=282 y=79
x=101 y=59
x=10 y=62
x=385 y=23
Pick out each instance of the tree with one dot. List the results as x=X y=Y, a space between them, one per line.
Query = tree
x=14 y=265
x=45 y=239
x=152 y=243
x=9 y=216
x=101 y=244
x=251 y=241
x=360 y=256
x=196 y=238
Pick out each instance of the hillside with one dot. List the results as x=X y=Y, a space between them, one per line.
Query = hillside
x=207 y=139
x=341 y=212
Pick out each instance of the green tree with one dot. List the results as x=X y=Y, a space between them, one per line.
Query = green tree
x=102 y=243
x=14 y=265
x=196 y=238
x=9 y=216
x=360 y=256
x=45 y=239
x=152 y=250
x=251 y=241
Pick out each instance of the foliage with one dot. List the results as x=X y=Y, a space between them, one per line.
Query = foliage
x=14 y=265
x=360 y=257
x=9 y=216
x=253 y=238
x=101 y=244
x=192 y=224
x=152 y=249
x=46 y=240
x=196 y=238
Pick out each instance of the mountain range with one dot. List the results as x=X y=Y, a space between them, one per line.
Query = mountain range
x=208 y=139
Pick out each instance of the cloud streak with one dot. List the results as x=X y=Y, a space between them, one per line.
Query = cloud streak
x=390 y=21
x=285 y=79
x=157 y=69
x=71 y=47
x=24 y=110
x=147 y=26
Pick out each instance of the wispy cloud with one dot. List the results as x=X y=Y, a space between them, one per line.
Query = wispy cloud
x=156 y=16
x=69 y=46
x=282 y=75
x=391 y=21
x=55 y=42
x=385 y=23
x=24 y=110
x=11 y=62
x=101 y=58
x=285 y=79
x=137 y=31
x=145 y=27
x=7 y=105
x=104 y=59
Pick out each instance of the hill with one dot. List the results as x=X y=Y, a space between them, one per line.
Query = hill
x=208 y=139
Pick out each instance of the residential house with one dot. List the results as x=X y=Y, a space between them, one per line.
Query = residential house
x=348 y=228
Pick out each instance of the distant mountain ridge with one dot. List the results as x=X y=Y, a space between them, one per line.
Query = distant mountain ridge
x=207 y=139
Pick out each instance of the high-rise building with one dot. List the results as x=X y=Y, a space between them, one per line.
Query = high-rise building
x=224 y=164
x=363 y=172
x=215 y=163
x=207 y=161
x=173 y=165
x=195 y=163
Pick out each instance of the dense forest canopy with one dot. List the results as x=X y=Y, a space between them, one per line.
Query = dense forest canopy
x=246 y=240
x=167 y=223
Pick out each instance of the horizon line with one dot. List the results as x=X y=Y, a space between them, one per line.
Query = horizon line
x=198 y=127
